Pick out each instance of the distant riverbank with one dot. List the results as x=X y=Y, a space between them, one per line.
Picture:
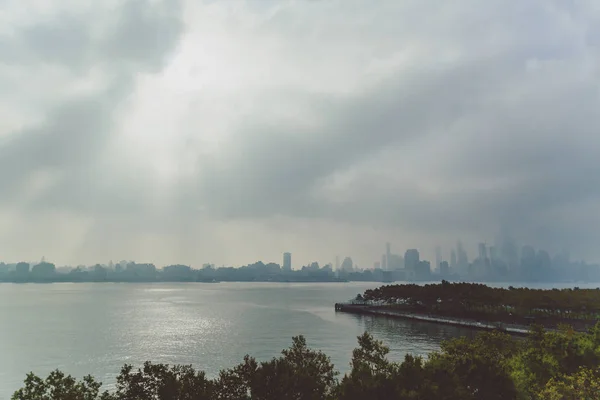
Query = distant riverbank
x=44 y=281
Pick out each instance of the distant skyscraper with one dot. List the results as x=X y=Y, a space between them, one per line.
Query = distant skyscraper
x=387 y=256
x=527 y=256
x=287 y=261
x=493 y=253
x=438 y=257
x=376 y=265
x=462 y=262
x=482 y=251
x=337 y=263
x=453 y=260
x=347 y=265
x=508 y=251
x=384 y=262
x=423 y=270
x=411 y=259
x=395 y=262
x=444 y=268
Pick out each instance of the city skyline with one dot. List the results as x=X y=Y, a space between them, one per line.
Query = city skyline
x=505 y=261
x=456 y=255
x=132 y=132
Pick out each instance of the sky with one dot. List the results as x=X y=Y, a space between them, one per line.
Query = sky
x=226 y=132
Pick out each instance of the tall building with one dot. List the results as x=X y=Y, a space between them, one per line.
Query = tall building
x=508 y=251
x=387 y=256
x=411 y=264
x=444 y=268
x=493 y=253
x=482 y=251
x=384 y=262
x=347 y=265
x=462 y=262
x=287 y=261
x=527 y=259
x=453 y=260
x=438 y=257
x=411 y=259
x=395 y=262
x=22 y=269
x=423 y=270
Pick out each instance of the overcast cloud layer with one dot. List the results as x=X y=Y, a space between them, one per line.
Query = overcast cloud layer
x=230 y=131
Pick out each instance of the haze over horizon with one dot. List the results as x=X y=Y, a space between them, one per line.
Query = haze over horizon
x=228 y=132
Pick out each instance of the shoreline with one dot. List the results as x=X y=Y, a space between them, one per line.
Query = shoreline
x=178 y=281
x=377 y=311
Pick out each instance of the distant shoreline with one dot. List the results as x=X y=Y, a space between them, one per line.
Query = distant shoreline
x=172 y=281
x=513 y=283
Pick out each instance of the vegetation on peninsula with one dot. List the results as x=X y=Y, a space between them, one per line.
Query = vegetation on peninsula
x=579 y=308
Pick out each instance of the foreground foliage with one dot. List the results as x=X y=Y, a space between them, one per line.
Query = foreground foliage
x=494 y=365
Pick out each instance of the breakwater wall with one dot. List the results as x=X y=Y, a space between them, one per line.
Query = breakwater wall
x=391 y=313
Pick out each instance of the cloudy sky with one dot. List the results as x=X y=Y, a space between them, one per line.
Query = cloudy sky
x=230 y=131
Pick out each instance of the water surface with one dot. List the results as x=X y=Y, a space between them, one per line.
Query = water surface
x=96 y=328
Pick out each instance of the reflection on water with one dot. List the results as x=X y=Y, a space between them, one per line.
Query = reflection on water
x=409 y=336
x=96 y=328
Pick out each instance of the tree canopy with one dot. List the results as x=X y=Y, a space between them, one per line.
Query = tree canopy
x=577 y=307
x=493 y=365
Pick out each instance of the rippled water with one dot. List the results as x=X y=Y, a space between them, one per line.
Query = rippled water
x=96 y=328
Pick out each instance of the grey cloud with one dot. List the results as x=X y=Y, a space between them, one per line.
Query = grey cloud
x=499 y=114
x=273 y=169
x=145 y=33
x=534 y=131
x=68 y=139
x=64 y=40
x=136 y=31
x=73 y=137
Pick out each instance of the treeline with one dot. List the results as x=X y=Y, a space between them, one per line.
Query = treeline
x=477 y=300
x=545 y=366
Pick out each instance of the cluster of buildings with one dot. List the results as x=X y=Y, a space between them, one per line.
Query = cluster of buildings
x=129 y=271
x=504 y=261
x=410 y=267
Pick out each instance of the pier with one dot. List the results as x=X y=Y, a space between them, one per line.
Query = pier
x=366 y=309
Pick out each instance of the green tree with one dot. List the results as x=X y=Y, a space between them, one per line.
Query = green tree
x=236 y=383
x=374 y=377
x=370 y=371
x=478 y=366
x=298 y=374
x=163 y=382
x=582 y=385
x=58 y=386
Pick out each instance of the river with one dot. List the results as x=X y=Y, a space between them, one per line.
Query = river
x=94 y=329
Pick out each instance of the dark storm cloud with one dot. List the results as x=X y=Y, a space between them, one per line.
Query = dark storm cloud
x=509 y=133
x=274 y=169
